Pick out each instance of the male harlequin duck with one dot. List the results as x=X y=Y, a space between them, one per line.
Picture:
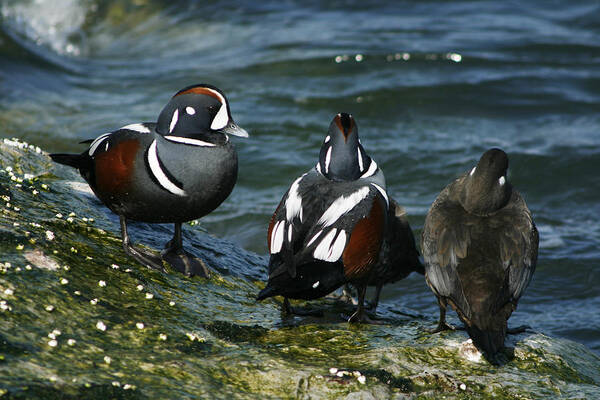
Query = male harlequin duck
x=398 y=256
x=176 y=170
x=328 y=227
x=480 y=246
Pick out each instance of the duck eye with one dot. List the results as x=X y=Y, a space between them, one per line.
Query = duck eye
x=213 y=110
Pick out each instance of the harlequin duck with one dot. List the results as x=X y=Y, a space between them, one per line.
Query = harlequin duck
x=480 y=246
x=172 y=171
x=398 y=256
x=328 y=227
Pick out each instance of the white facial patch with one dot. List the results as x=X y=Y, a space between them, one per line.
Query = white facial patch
x=327 y=159
x=141 y=128
x=330 y=250
x=97 y=143
x=159 y=174
x=383 y=192
x=192 y=142
x=221 y=119
x=277 y=237
x=371 y=171
x=472 y=171
x=293 y=203
x=190 y=110
x=502 y=180
x=316 y=284
x=360 y=160
x=327 y=139
x=174 y=119
x=341 y=206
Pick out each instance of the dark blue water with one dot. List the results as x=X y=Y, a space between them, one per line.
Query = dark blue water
x=432 y=85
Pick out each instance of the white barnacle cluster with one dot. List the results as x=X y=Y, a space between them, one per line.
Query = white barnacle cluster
x=101 y=326
x=4 y=306
x=14 y=142
x=194 y=337
x=340 y=373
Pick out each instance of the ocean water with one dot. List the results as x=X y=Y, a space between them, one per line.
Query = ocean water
x=432 y=85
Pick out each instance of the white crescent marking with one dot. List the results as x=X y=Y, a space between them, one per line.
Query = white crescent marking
x=174 y=119
x=472 y=171
x=383 y=192
x=328 y=159
x=159 y=174
x=360 y=160
x=221 y=119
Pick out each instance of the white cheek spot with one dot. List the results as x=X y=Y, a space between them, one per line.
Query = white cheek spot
x=190 y=110
x=327 y=159
x=174 y=119
x=472 y=171
x=316 y=284
x=221 y=119
x=277 y=237
x=327 y=139
x=502 y=180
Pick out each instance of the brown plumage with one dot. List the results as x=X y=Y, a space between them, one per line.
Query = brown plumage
x=398 y=256
x=480 y=247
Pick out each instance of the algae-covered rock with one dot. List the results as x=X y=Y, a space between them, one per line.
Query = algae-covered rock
x=78 y=319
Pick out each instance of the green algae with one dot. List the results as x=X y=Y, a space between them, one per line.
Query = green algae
x=81 y=320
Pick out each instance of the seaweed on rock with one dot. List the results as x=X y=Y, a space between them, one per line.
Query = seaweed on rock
x=78 y=319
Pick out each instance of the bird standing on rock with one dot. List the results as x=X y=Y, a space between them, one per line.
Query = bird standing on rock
x=329 y=226
x=175 y=170
x=480 y=246
x=399 y=255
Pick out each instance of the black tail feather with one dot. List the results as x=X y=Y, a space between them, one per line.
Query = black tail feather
x=72 y=160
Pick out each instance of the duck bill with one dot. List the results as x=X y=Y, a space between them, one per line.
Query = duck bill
x=233 y=129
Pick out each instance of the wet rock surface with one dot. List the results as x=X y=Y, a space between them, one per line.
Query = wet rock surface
x=78 y=319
